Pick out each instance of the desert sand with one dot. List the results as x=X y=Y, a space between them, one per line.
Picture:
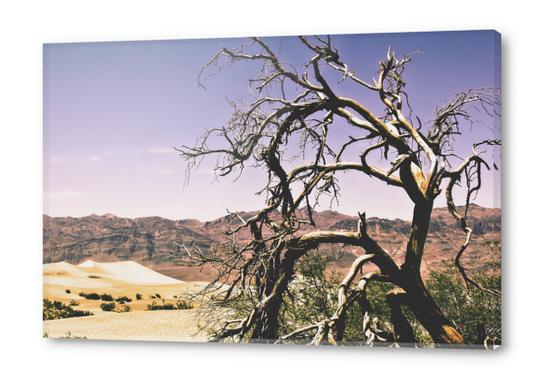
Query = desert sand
x=119 y=279
x=139 y=326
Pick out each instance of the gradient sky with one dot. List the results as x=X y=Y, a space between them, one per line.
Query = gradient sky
x=114 y=111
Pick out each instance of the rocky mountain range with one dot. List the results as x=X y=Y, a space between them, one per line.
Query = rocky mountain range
x=154 y=241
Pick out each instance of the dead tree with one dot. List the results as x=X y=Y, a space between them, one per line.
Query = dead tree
x=293 y=112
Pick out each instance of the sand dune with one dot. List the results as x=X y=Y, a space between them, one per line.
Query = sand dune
x=63 y=281
x=126 y=271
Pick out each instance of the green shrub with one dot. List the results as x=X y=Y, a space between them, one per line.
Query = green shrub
x=53 y=310
x=475 y=313
x=183 y=304
x=154 y=306
x=107 y=307
x=106 y=297
x=123 y=299
x=90 y=296
x=312 y=297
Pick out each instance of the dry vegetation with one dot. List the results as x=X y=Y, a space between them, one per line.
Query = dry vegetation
x=283 y=274
x=115 y=303
x=285 y=129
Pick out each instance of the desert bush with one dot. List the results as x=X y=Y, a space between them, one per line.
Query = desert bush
x=183 y=304
x=475 y=313
x=154 y=306
x=53 y=310
x=139 y=296
x=123 y=299
x=90 y=296
x=106 y=297
x=312 y=297
x=68 y=290
x=124 y=309
x=108 y=307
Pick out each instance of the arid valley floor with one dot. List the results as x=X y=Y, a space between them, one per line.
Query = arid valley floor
x=119 y=279
x=140 y=259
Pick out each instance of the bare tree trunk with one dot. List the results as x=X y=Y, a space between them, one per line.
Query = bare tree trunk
x=430 y=316
x=418 y=298
x=340 y=326
x=418 y=235
x=402 y=330
x=267 y=328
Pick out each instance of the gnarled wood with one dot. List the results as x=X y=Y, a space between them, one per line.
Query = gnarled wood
x=402 y=330
x=304 y=105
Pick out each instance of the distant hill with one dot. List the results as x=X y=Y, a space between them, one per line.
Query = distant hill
x=150 y=240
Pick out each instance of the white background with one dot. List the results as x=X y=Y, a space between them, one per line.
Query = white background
x=25 y=25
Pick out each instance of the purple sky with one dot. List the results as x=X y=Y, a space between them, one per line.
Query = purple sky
x=114 y=111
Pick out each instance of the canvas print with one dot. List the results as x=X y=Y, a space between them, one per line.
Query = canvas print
x=312 y=190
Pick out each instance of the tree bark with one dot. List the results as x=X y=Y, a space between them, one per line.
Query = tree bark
x=402 y=330
x=267 y=328
x=419 y=228
x=430 y=316
x=418 y=298
x=340 y=326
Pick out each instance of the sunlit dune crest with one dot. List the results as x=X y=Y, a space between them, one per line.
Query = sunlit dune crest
x=65 y=282
x=125 y=271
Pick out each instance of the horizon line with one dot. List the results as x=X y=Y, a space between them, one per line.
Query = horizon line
x=109 y=214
